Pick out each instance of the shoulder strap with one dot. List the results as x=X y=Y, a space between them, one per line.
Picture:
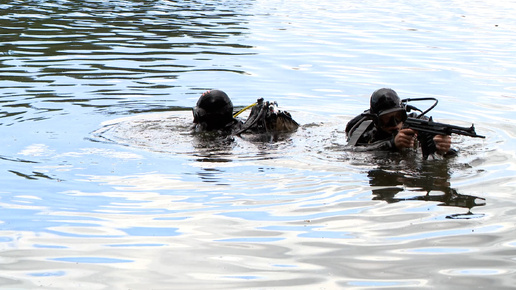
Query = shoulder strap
x=357 y=133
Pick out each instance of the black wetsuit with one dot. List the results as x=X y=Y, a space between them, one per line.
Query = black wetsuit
x=230 y=128
x=362 y=132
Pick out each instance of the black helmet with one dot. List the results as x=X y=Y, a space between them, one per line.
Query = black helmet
x=385 y=101
x=214 y=109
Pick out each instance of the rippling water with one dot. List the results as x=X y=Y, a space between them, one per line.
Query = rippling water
x=104 y=187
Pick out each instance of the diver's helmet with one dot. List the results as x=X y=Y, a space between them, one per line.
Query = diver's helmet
x=384 y=102
x=214 y=110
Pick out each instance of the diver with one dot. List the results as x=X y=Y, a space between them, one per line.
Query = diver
x=214 y=113
x=381 y=127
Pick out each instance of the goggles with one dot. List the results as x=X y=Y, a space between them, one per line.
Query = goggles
x=392 y=119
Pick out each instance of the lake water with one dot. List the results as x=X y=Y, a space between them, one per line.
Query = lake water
x=103 y=187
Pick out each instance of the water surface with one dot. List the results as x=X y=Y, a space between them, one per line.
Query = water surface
x=104 y=187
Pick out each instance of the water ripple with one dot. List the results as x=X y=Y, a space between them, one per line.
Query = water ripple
x=105 y=187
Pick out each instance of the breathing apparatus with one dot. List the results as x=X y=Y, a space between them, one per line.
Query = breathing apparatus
x=409 y=108
x=388 y=119
x=267 y=117
x=388 y=110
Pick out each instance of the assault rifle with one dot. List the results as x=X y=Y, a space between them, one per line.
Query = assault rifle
x=427 y=129
x=434 y=128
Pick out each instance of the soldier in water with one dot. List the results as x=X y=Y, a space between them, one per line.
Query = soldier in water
x=381 y=127
x=214 y=112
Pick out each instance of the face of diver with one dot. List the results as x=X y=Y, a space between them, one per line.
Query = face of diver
x=393 y=121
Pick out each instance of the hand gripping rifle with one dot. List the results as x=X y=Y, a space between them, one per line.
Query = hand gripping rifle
x=427 y=128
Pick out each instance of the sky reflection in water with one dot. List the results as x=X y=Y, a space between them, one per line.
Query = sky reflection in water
x=104 y=187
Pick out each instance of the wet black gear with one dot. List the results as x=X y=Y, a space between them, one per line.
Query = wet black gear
x=385 y=101
x=214 y=111
x=265 y=117
x=364 y=131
